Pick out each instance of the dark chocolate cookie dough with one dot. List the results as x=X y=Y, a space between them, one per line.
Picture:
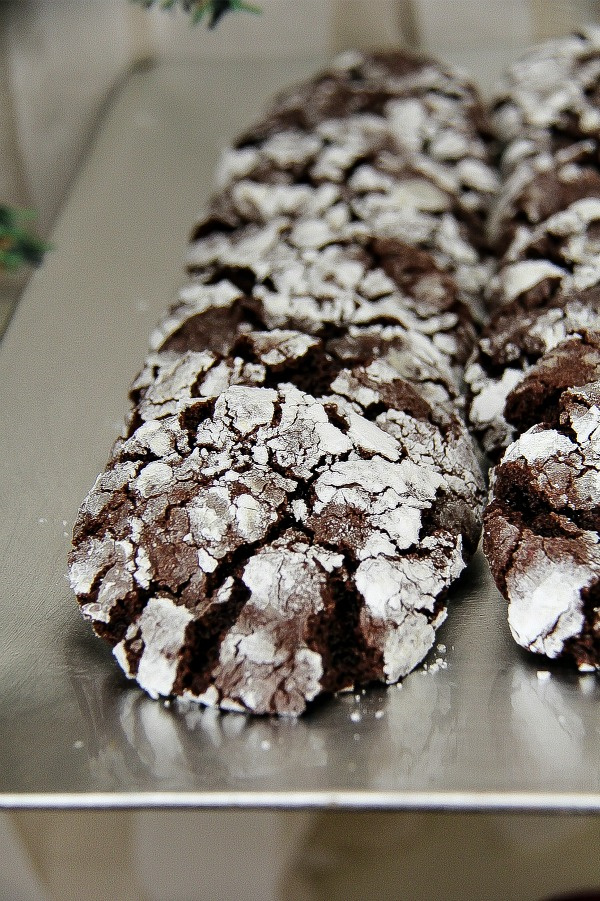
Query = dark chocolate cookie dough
x=541 y=531
x=550 y=98
x=548 y=288
x=252 y=545
x=295 y=490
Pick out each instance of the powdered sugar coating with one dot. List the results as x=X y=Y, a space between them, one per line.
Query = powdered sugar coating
x=383 y=197
x=545 y=608
x=349 y=279
x=389 y=146
x=226 y=509
x=546 y=290
x=536 y=369
x=542 y=185
x=502 y=361
x=569 y=240
x=295 y=491
x=541 y=531
x=550 y=97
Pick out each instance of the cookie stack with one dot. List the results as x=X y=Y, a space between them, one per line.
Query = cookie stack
x=296 y=490
x=534 y=380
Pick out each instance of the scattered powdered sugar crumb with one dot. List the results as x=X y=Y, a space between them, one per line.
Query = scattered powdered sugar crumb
x=588 y=684
x=543 y=675
x=355 y=716
x=438 y=664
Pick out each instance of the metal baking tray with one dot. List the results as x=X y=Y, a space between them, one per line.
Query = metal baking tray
x=480 y=726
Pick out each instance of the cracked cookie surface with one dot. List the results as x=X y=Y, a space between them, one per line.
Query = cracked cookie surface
x=541 y=531
x=252 y=545
x=542 y=186
x=547 y=289
x=295 y=490
x=549 y=99
x=405 y=107
x=319 y=280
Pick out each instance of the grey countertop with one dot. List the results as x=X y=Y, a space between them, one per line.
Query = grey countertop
x=482 y=726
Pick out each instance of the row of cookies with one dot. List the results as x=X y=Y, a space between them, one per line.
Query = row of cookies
x=534 y=380
x=296 y=489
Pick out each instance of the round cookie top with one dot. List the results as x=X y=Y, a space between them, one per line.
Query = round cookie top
x=547 y=289
x=542 y=186
x=364 y=83
x=541 y=531
x=252 y=545
x=417 y=151
x=312 y=276
x=549 y=99
x=512 y=343
x=416 y=142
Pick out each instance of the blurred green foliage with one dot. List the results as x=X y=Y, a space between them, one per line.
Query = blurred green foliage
x=210 y=10
x=18 y=246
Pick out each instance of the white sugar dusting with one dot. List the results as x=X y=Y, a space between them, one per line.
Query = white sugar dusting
x=545 y=606
x=161 y=625
x=285 y=492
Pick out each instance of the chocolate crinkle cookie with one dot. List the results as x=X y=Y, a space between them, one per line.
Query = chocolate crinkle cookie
x=358 y=82
x=541 y=186
x=295 y=490
x=541 y=531
x=367 y=102
x=411 y=219
x=549 y=99
x=546 y=117
x=390 y=150
x=275 y=524
x=314 y=277
x=534 y=377
x=547 y=288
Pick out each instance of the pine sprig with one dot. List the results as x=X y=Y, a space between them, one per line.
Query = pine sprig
x=18 y=246
x=210 y=10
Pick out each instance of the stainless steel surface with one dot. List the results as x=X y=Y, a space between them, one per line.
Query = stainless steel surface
x=482 y=727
